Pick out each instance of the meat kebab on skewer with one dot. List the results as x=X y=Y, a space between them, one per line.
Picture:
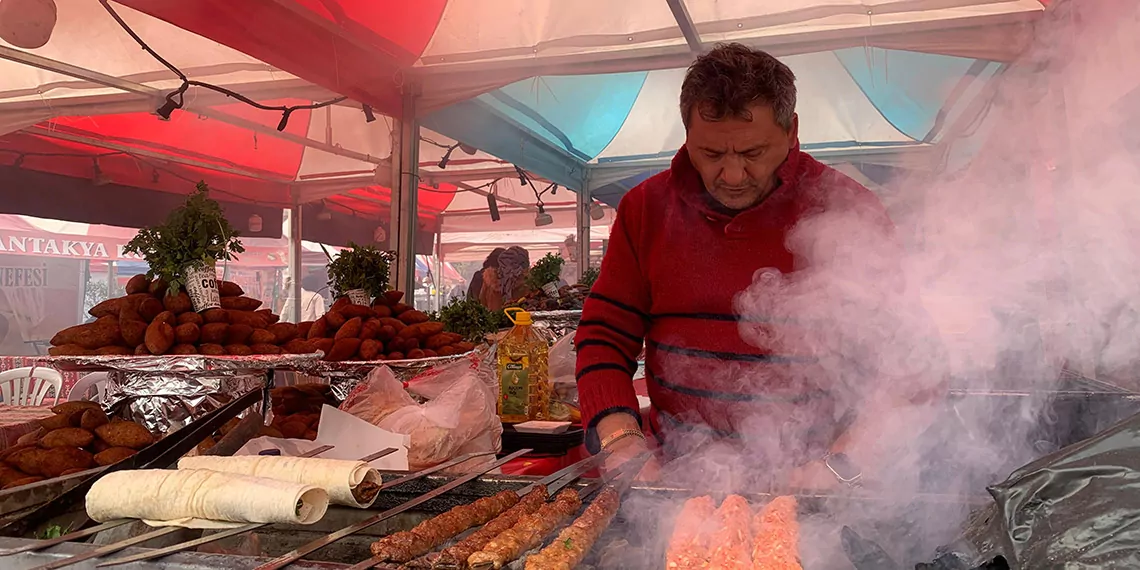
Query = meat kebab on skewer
x=527 y=533
x=689 y=546
x=531 y=529
x=776 y=546
x=455 y=557
x=732 y=540
x=406 y=545
x=576 y=540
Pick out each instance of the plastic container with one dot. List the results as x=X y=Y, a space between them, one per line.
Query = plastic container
x=524 y=386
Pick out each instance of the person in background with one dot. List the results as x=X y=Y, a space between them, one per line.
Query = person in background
x=475 y=290
x=505 y=282
x=313 y=303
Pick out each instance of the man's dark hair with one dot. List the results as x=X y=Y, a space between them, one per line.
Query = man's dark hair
x=725 y=81
x=493 y=257
x=314 y=282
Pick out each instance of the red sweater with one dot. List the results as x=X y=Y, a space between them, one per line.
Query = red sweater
x=669 y=278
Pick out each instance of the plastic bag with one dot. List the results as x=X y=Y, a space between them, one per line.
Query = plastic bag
x=562 y=357
x=459 y=416
x=1075 y=508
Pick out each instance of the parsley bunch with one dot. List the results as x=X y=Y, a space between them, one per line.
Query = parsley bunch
x=546 y=270
x=360 y=267
x=468 y=317
x=194 y=235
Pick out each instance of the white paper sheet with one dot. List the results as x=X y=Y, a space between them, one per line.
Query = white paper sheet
x=351 y=437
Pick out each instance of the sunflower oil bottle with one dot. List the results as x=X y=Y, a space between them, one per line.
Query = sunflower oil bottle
x=524 y=386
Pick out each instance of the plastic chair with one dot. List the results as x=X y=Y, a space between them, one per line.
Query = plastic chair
x=28 y=386
x=82 y=389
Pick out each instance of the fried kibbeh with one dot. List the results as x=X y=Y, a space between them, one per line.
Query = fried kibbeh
x=125 y=434
x=67 y=437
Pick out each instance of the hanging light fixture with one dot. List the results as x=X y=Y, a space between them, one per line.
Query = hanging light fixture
x=596 y=211
x=542 y=218
x=27 y=24
x=255 y=224
x=323 y=214
x=97 y=176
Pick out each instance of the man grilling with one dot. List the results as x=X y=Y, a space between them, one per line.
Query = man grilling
x=684 y=245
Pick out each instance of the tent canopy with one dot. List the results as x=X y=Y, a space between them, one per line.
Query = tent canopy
x=368 y=49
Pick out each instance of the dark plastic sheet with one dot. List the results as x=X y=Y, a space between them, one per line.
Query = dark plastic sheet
x=1077 y=508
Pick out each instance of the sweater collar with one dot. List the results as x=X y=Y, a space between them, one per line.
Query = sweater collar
x=687 y=182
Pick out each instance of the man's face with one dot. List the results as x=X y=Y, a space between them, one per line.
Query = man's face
x=737 y=158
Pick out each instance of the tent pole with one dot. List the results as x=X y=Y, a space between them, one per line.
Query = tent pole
x=295 y=260
x=438 y=270
x=404 y=202
x=583 y=215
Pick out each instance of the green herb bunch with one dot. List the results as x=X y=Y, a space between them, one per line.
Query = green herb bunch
x=589 y=276
x=546 y=270
x=468 y=317
x=194 y=235
x=360 y=267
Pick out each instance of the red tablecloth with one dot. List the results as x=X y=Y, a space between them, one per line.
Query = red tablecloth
x=10 y=362
x=16 y=421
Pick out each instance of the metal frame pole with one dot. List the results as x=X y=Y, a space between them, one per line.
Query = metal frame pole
x=583 y=214
x=295 y=252
x=406 y=205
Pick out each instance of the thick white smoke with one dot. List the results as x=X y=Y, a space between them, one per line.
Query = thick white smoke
x=1018 y=256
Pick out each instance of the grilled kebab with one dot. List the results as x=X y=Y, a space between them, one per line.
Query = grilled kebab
x=776 y=546
x=456 y=556
x=572 y=544
x=689 y=545
x=732 y=540
x=527 y=533
x=406 y=545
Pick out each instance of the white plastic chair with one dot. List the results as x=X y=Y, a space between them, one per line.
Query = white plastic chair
x=28 y=386
x=82 y=389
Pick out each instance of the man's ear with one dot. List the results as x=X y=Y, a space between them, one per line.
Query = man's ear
x=794 y=132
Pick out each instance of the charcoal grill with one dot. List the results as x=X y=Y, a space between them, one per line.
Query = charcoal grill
x=629 y=544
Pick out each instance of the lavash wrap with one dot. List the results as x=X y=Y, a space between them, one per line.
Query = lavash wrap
x=339 y=477
x=198 y=498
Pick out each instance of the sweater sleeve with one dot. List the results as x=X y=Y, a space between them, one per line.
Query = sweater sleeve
x=614 y=323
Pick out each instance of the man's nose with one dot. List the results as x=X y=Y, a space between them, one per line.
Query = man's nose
x=733 y=173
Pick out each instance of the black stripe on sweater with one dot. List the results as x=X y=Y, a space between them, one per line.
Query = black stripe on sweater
x=599 y=342
x=726 y=396
x=716 y=317
x=598 y=368
x=620 y=305
x=609 y=327
x=734 y=356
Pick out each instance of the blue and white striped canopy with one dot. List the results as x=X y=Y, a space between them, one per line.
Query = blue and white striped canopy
x=609 y=132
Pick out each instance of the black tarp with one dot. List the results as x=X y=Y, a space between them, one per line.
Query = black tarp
x=1077 y=508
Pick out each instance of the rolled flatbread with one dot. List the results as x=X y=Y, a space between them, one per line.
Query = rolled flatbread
x=197 y=498
x=349 y=483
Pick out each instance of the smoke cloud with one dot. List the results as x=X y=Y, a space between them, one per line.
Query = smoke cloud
x=1016 y=260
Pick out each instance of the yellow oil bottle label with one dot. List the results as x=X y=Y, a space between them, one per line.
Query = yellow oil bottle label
x=514 y=388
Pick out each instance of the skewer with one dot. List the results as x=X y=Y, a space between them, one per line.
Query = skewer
x=159 y=553
x=393 y=544
x=117 y=546
x=296 y=554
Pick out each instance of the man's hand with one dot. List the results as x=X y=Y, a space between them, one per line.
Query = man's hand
x=626 y=450
x=628 y=447
x=814 y=476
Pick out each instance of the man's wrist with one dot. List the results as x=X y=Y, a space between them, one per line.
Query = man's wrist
x=608 y=421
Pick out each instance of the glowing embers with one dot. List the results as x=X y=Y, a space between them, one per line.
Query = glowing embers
x=730 y=538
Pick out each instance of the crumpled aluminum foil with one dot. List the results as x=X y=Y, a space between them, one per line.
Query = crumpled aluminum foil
x=553 y=325
x=344 y=376
x=178 y=363
x=164 y=393
x=165 y=401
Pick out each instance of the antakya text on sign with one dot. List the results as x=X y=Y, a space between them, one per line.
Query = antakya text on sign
x=59 y=247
